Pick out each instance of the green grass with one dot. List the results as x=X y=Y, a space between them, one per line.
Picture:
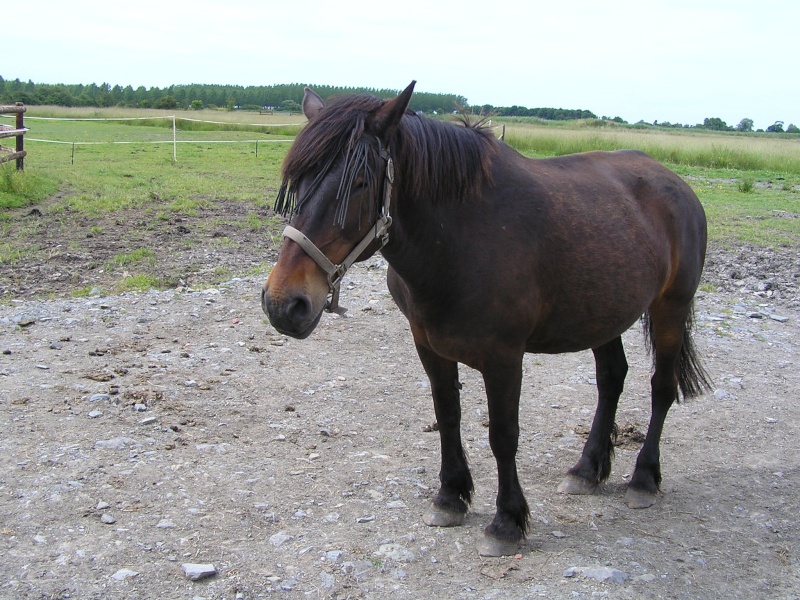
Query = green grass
x=134 y=257
x=750 y=152
x=22 y=188
x=764 y=216
x=141 y=282
x=113 y=177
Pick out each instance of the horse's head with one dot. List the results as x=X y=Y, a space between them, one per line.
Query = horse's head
x=337 y=187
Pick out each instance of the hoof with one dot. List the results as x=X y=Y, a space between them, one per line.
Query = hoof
x=439 y=517
x=577 y=485
x=639 y=498
x=490 y=546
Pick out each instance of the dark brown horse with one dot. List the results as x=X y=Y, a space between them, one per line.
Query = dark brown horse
x=492 y=255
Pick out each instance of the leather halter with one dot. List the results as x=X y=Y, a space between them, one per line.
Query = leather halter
x=379 y=231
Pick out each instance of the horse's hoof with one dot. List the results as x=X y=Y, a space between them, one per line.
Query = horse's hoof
x=490 y=546
x=639 y=498
x=577 y=485
x=439 y=517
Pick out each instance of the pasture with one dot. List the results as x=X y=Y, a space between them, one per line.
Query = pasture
x=153 y=418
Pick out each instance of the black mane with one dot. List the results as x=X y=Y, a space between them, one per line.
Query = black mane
x=435 y=160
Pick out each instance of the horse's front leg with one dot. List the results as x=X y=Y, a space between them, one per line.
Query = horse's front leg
x=510 y=523
x=450 y=504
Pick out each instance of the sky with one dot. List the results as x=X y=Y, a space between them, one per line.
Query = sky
x=653 y=60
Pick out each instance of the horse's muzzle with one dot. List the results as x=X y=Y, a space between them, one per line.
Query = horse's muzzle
x=293 y=316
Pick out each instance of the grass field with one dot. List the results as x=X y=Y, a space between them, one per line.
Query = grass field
x=748 y=152
x=749 y=184
x=110 y=165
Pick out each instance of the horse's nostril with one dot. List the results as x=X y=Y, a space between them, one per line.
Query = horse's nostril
x=264 y=301
x=299 y=308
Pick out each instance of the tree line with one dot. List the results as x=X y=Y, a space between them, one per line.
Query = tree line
x=276 y=97
x=288 y=97
x=717 y=124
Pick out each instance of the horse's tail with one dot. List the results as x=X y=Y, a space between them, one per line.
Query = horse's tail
x=693 y=379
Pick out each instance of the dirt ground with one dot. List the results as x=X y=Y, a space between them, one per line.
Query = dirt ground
x=145 y=431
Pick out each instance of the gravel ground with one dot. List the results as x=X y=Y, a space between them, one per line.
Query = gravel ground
x=148 y=432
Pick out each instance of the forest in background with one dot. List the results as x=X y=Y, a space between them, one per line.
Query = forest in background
x=288 y=97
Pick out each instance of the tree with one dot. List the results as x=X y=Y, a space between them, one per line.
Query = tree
x=745 y=125
x=776 y=127
x=792 y=128
x=167 y=102
x=715 y=123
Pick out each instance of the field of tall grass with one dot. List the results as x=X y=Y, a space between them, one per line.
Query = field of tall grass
x=779 y=153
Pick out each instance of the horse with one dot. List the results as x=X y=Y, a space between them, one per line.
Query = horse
x=491 y=255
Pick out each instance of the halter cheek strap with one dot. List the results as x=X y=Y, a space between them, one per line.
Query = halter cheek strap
x=380 y=232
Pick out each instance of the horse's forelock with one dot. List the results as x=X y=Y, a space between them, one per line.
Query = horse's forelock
x=329 y=136
x=440 y=161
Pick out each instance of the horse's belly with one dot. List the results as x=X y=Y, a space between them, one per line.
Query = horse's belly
x=558 y=336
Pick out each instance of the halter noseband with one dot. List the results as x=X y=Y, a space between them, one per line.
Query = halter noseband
x=379 y=231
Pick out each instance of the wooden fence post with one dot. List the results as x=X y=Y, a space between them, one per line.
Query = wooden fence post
x=20 y=138
x=18 y=131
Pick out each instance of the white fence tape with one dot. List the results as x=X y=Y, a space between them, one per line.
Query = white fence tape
x=174 y=141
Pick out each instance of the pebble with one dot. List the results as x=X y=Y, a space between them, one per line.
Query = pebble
x=601 y=574
x=94 y=414
x=327 y=581
x=107 y=519
x=99 y=397
x=723 y=395
x=117 y=443
x=396 y=552
x=279 y=539
x=165 y=524
x=123 y=574
x=197 y=571
x=365 y=519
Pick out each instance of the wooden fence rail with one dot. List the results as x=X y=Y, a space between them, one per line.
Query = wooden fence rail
x=18 y=131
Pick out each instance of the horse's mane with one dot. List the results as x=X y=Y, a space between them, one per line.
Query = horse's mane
x=436 y=161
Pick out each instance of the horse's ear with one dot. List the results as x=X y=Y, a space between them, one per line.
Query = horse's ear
x=312 y=104
x=388 y=116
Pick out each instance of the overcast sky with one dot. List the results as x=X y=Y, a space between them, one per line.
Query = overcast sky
x=666 y=60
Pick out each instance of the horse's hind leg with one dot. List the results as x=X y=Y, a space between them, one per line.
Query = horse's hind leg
x=666 y=329
x=594 y=465
x=450 y=504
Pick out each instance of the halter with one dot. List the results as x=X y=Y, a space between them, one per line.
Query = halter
x=380 y=232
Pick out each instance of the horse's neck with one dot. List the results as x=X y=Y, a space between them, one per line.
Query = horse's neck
x=418 y=242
